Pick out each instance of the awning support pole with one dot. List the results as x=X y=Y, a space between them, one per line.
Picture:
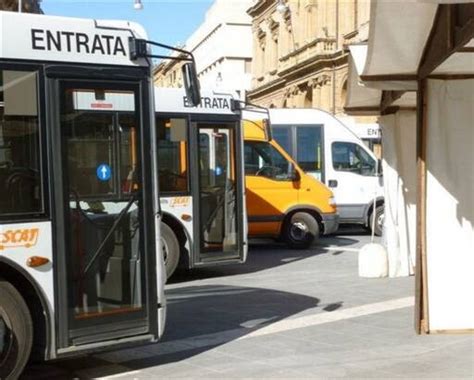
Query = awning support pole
x=421 y=290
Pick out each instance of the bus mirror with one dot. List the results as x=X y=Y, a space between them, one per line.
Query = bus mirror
x=191 y=84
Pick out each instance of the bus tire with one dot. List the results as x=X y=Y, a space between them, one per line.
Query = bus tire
x=16 y=332
x=300 y=230
x=379 y=220
x=171 y=251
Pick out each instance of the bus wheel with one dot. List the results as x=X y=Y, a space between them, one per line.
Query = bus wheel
x=300 y=230
x=379 y=221
x=16 y=332
x=170 y=246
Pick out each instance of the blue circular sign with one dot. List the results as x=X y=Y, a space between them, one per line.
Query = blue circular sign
x=218 y=170
x=104 y=172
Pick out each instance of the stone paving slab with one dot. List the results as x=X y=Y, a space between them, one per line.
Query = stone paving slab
x=284 y=314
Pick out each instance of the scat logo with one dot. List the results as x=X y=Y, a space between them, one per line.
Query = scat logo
x=22 y=238
x=179 y=202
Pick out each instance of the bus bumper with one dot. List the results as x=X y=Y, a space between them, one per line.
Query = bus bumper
x=330 y=222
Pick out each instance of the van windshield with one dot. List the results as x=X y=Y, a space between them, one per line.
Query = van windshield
x=262 y=159
x=350 y=157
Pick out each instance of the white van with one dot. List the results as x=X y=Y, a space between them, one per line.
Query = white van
x=330 y=151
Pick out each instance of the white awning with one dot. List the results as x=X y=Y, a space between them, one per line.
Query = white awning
x=360 y=100
x=398 y=34
x=363 y=100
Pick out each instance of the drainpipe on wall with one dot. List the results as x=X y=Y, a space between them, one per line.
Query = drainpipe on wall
x=333 y=88
x=337 y=25
x=334 y=65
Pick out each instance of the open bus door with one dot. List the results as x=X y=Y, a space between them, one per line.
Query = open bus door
x=201 y=179
x=217 y=190
x=101 y=223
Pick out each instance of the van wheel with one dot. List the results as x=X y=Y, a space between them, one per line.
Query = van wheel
x=300 y=230
x=16 y=332
x=170 y=246
x=379 y=220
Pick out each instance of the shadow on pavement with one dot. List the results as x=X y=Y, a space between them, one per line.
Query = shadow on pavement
x=262 y=255
x=199 y=318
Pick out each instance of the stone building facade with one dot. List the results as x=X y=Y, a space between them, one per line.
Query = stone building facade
x=29 y=6
x=300 y=51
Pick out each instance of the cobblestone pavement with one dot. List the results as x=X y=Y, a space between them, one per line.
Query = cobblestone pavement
x=284 y=314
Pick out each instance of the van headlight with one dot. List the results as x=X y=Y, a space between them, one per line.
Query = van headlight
x=332 y=201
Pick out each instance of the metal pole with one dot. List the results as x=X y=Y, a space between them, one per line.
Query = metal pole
x=20 y=6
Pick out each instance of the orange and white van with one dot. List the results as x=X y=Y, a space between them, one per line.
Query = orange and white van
x=283 y=202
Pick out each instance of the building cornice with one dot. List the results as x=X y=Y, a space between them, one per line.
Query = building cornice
x=308 y=46
x=322 y=60
x=261 y=6
x=310 y=65
x=267 y=88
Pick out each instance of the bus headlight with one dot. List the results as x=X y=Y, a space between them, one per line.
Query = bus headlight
x=332 y=202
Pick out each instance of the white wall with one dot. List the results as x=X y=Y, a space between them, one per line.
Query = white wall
x=450 y=204
x=222 y=44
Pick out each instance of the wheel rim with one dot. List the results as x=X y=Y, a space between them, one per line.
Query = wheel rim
x=164 y=247
x=5 y=337
x=380 y=221
x=298 y=230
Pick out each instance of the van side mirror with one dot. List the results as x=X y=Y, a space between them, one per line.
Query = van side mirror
x=293 y=174
x=191 y=84
x=379 y=167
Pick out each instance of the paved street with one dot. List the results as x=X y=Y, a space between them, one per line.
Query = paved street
x=285 y=314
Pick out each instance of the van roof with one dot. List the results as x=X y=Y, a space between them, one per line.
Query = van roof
x=254 y=130
x=311 y=116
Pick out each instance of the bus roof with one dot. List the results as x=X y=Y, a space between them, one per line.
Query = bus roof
x=25 y=36
x=173 y=100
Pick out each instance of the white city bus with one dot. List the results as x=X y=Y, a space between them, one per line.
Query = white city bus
x=201 y=180
x=79 y=211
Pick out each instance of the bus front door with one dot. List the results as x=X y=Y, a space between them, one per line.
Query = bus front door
x=218 y=194
x=105 y=259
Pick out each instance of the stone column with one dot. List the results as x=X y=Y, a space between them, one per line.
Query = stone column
x=289 y=36
x=326 y=92
x=262 y=53
x=316 y=95
x=272 y=46
x=310 y=11
x=321 y=19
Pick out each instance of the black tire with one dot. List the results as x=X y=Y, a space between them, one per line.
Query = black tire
x=171 y=250
x=300 y=230
x=16 y=332
x=379 y=220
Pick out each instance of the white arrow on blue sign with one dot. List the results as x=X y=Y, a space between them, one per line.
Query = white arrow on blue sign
x=104 y=172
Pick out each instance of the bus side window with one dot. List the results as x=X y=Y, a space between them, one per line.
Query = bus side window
x=173 y=155
x=20 y=174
